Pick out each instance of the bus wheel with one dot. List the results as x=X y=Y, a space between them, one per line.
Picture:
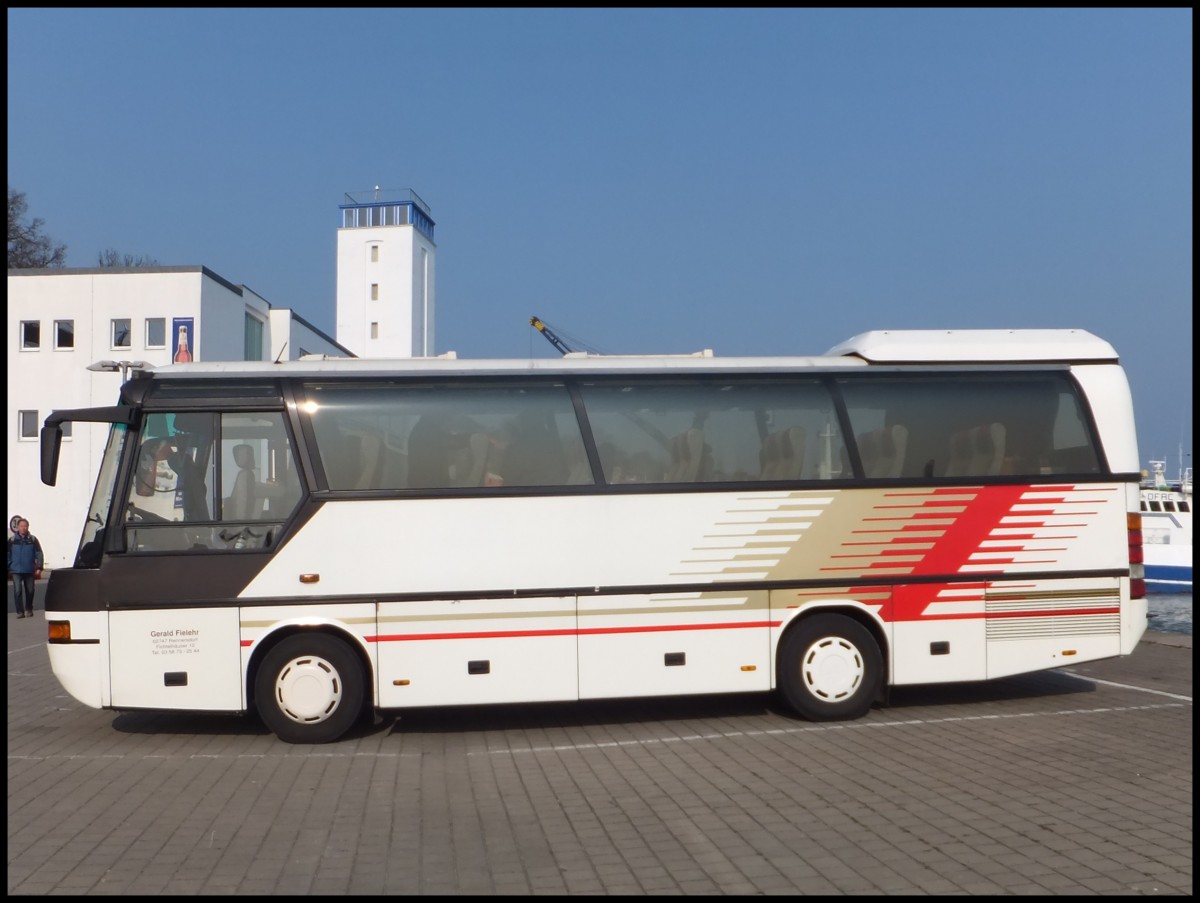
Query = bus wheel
x=830 y=668
x=309 y=689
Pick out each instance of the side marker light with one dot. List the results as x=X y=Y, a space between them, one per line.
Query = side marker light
x=58 y=631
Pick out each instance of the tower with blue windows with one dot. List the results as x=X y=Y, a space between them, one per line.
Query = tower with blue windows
x=385 y=274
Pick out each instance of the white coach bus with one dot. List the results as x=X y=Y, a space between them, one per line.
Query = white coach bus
x=319 y=539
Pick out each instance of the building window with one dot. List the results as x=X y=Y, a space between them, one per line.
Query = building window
x=374 y=253
x=156 y=332
x=121 y=333
x=64 y=334
x=31 y=335
x=254 y=339
x=374 y=291
x=27 y=424
x=374 y=330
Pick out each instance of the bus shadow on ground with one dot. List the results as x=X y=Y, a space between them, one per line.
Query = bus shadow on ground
x=189 y=724
x=980 y=698
x=1018 y=689
x=902 y=702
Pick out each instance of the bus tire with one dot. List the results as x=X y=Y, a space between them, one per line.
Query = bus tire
x=309 y=689
x=830 y=668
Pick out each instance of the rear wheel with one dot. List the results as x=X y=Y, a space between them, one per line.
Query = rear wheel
x=830 y=668
x=310 y=689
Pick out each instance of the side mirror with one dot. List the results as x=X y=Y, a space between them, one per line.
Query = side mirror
x=52 y=431
x=51 y=440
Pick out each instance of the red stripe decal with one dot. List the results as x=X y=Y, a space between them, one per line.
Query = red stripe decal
x=994 y=616
x=894 y=540
x=988 y=550
x=590 y=631
x=970 y=529
x=947 y=503
x=1057 y=613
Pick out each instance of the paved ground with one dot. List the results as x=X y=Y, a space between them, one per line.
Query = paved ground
x=1074 y=782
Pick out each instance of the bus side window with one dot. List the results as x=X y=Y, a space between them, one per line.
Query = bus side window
x=1076 y=459
x=170 y=492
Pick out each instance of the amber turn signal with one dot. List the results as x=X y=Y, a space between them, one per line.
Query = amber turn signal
x=59 y=631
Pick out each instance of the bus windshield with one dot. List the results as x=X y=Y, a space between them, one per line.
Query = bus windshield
x=92 y=541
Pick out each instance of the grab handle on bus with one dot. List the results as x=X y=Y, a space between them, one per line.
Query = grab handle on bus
x=310 y=578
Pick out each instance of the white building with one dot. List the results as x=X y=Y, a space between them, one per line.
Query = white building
x=61 y=322
x=385 y=274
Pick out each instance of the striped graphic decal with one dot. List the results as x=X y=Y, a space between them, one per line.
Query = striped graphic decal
x=905 y=545
x=982 y=530
x=703 y=612
x=996 y=529
x=1010 y=609
x=594 y=631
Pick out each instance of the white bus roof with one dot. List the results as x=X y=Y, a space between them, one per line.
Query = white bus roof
x=906 y=346
x=951 y=346
x=441 y=366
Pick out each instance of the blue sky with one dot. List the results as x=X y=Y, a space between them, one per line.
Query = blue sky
x=752 y=181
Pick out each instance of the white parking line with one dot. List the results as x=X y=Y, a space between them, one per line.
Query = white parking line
x=648 y=741
x=26 y=648
x=839 y=726
x=1111 y=683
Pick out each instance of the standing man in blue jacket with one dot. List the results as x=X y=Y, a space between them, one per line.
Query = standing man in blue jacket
x=25 y=565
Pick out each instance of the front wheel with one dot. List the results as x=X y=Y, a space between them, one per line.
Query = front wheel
x=310 y=689
x=830 y=668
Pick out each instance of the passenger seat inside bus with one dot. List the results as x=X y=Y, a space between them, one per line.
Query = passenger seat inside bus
x=882 y=451
x=977 y=451
x=782 y=455
x=245 y=502
x=471 y=464
x=370 y=461
x=688 y=453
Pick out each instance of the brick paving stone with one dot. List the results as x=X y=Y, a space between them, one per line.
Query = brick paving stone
x=1022 y=787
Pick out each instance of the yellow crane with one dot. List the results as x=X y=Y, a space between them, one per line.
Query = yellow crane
x=551 y=335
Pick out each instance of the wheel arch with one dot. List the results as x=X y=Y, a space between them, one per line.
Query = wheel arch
x=328 y=628
x=865 y=616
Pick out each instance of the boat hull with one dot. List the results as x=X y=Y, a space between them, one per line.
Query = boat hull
x=1168 y=567
x=1168 y=580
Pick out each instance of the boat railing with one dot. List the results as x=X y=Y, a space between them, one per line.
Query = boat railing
x=1156 y=478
